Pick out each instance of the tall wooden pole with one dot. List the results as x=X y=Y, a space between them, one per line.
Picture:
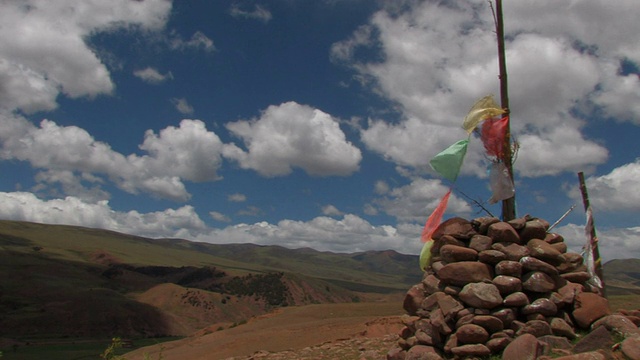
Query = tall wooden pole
x=508 y=205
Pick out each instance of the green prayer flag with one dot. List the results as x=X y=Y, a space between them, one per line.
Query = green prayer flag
x=448 y=162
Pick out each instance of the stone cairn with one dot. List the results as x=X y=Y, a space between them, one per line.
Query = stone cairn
x=508 y=288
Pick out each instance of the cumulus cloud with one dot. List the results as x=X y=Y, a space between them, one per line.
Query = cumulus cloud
x=237 y=197
x=291 y=135
x=152 y=76
x=330 y=210
x=34 y=42
x=622 y=243
x=218 y=216
x=188 y=152
x=413 y=203
x=258 y=13
x=197 y=41
x=615 y=191
x=182 y=105
x=434 y=60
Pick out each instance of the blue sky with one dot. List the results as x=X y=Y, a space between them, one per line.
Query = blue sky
x=310 y=123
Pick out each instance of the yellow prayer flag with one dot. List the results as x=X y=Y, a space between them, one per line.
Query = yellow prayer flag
x=483 y=109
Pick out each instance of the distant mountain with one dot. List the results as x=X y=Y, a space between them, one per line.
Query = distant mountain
x=60 y=281
x=622 y=277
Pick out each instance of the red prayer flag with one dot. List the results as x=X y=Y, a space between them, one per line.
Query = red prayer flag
x=493 y=132
x=434 y=219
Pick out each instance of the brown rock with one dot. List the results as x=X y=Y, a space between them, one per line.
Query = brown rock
x=619 y=324
x=503 y=232
x=467 y=319
x=506 y=315
x=397 y=354
x=513 y=251
x=561 y=247
x=464 y=272
x=491 y=256
x=490 y=323
x=449 y=306
x=452 y=290
x=542 y=306
x=507 y=284
x=445 y=240
x=480 y=242
x=577 y=277
x=457 y=227
x=496 y=345
x=413 y=299
x=524 y=347
x=452 y=342
x=560 y=327
x=431 y=302
x=455 y=253
x=553 y=238
x=440 y=323
x=569 y=291
x=422 y=352
x=555 y=342
x=593 y=355
x=631 y=348
x=516 y=299
x=534 y=229
x=599 y=338
x=481 y=295
x=529 y=263
x=542 y=250
x=518 y=223
x=572 y=261
x=472 y=334
x=536 y=328
x=430 y=283
x=482 y=224
x=537 y=281
x=589 y=307
x=471 y=350
x=509 y=268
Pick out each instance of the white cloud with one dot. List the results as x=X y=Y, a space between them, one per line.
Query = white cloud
x=416 y=201
x=42 y=56
x=621 y=243
x=152 y=75
x=198 y=41
x=237 y=197
x=188 y=152
x=616 y=191
x=72 y=184
x=258 y=13
x=330 y=210
x=182 y=222
x=182 y=105
x=435 y=60
x=218 y=216
x=292 y=135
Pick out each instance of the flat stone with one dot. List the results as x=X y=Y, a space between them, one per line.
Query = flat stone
x=431 y=283
x=480 y=242
x=524 y=347
x=482 y=224
x=592 y=355
x=589 y=307
x=464 y=272
x=542 y=306
x=598 y=338
x=562 y=328
x=449 y=306
x=569 y=291
x=533 y=229
x=467 y=319
x=572 y=261
x=506 y=315
x=539 y=282
x=619 y=324
x=556 y=342
x=503 y=232
x=454 y=253
x=518 y=223
x=542 y=250
x=445 y=240
x=472 y=334
x=491 y=256
x=507 y=284
x=431 y=302
x=529 y=263
x=496 y=345
x=536 y=328
x=440 y=323
x=578 y=277
x=553 y=238
x=490 y=323
x=471 y=350
x=631 y=348
x=481 y=295
x=396 y=354
x=561 y=247
x=509 y=268
x=457 y=227
x=516 y=299
x=422 y=352
x=413 y=299
x=513 y=251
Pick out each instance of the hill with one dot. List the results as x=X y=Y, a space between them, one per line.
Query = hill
x=68 y=281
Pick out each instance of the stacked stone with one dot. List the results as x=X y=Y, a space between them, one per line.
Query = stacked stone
x=491 y=282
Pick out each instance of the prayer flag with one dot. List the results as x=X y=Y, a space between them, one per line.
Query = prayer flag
x=483 y=109
x=501 y=184
x=493 y=135
x=448 y=162
x=435 y=218
x=425 y=255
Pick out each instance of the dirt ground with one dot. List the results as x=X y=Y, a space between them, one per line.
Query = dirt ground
x=324 y=331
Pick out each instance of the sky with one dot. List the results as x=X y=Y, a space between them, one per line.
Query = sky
x=311 y=123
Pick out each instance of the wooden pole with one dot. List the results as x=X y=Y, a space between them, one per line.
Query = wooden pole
x=593 y=238
x=508 y=205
